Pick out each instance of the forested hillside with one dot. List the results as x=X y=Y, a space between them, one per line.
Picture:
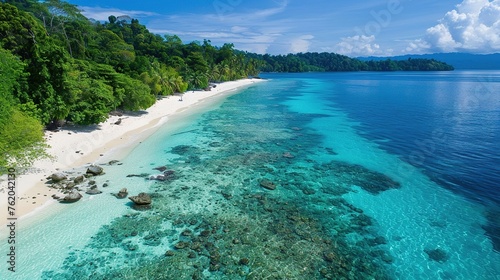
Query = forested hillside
x=56 y=65
x=461 y=61
x=332 y=62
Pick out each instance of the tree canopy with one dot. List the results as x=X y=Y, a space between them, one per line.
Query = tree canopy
x=331 y=62
x=56 y=65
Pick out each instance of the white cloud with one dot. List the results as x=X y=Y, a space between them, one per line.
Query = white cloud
x=253 y=31
x=238 y=29
x=269 y=12
x=300 y=44
x=102 y=14
x=473 y=26
x=359 y=45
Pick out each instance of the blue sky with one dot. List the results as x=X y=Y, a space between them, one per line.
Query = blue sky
x=353 y=28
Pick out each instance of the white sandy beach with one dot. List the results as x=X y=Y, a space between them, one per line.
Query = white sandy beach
x=73 y=147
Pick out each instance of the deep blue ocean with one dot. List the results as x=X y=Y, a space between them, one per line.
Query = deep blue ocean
x=447 y=123
x=303 y=176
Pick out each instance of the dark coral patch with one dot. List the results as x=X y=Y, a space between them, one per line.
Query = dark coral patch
x=438 y=255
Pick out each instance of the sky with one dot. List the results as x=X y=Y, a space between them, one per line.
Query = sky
x=352 y=28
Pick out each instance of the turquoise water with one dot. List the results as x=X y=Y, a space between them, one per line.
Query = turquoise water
x=345 y=204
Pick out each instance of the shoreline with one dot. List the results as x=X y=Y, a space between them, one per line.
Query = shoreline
x=74 y=147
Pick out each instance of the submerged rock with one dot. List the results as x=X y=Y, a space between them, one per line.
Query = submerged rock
x=142 y=175
x=181 y=245
x=354 y=174
x=160 y=168
x=215 y=144
x=184 y=149
x=167 y=175
x=169 y=253
x=94 y=170
x=288 y=155
x=72 y=196
x=438 y=255
x=265 y=183
x=141 y=199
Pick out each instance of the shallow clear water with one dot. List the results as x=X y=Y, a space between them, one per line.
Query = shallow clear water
x=352 y=197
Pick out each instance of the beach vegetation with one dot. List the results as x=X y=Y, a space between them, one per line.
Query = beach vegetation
x=21 y=134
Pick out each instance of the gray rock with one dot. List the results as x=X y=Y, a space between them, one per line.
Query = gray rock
x=93 y=190
x=94 y=170
x=58 y=177
x=79 y=179
x=72 y=196
x=122 y=193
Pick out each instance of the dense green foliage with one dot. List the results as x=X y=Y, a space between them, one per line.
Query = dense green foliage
x=331 y=62
x=79 y=70
x=21 y=135
x=56 y=65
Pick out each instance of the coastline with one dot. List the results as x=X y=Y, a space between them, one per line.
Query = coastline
x=76 y=146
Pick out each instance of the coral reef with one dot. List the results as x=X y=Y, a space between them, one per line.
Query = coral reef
x=221 y=215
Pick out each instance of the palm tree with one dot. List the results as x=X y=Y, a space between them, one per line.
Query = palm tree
x=225 y=72
x=215 y=73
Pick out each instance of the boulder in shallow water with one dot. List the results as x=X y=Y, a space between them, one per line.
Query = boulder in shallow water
x=93 y=190
x=72 y=196
x=94 y=170
x=141 y=199
x=122 y=193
